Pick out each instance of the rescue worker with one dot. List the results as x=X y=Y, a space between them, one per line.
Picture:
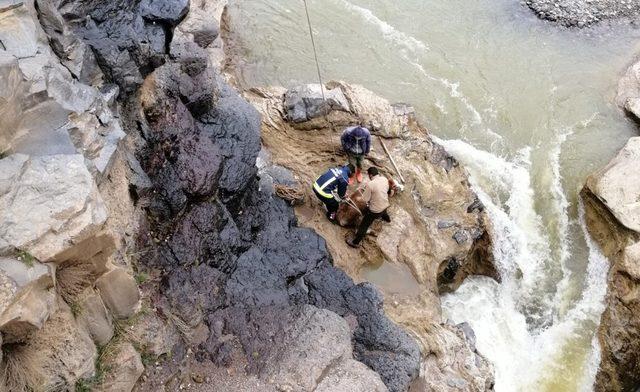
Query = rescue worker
x=331 y=188
x=376 y=195
x=356 y=142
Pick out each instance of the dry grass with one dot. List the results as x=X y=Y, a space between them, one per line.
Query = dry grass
x=73 y=278
x=20 y=370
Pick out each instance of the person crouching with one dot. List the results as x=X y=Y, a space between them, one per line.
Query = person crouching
x=331 y=188
x=376 y=195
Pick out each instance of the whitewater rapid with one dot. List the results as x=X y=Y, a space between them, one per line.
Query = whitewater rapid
x=520 y=324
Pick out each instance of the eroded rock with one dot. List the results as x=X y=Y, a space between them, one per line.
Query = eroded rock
x=47 y=203
x=617 y=185
x=119 y=292
x=28 y=297
x=125 y=367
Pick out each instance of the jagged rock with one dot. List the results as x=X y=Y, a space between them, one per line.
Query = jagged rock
x=199 y=33
x=617 y=185
x=452 y=362
x=44 y=93
x=310 y=343
x=304 y=103
x=95 y=317
x=125 y=367
x=165 y=11
x=47 y=203
x=127 y=38
x=27 y=297
x=628 y=96
x=243 y=251
x=119 y=292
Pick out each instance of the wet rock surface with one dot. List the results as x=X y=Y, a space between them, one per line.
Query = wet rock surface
x=582 y=13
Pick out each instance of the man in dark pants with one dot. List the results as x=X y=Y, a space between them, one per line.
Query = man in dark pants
x=331 y=188
x=356 y=142
x=376 y=195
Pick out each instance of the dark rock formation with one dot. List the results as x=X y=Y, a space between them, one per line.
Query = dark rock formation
x=232 y=256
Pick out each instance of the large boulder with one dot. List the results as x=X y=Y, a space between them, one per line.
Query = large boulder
x=306 y=102
x=119 y=292
x=628 y=96
x=48 y=109
x=95 y=317
x=47 y=204
x=125 y=367
x=27 y=298
x=617 y=185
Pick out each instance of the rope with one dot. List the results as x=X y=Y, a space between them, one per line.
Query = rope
x=294 y=195
x=353 y=205
x=315 y=53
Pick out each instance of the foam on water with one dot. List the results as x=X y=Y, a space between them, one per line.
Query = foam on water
x=523 y=354
x=389 y=32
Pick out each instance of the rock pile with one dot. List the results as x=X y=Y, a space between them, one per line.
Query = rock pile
x=582 y=13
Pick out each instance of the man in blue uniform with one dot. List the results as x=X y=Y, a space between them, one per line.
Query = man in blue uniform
x=331 y=187
x=356 y=142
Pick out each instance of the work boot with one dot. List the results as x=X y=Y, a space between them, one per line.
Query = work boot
x=359 y=175
x=352 y=244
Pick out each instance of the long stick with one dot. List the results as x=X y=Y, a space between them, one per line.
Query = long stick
x=393 y=162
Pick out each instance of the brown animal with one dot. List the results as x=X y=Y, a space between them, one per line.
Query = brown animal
x=348 y=215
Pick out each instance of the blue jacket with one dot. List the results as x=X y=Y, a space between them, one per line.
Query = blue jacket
x=356 y=140
x=334 y=180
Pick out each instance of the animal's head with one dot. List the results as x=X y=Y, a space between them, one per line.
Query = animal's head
x=347 y=214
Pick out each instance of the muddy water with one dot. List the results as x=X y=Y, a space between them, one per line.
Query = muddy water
x=526 y=106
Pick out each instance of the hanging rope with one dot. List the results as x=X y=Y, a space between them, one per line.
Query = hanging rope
x=315 y=53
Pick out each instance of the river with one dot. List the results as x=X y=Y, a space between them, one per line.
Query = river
x=526 y=106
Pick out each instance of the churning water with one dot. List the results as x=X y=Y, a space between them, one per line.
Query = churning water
x=525 y=106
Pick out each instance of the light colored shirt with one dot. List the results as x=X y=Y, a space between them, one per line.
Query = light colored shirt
x=376 y=194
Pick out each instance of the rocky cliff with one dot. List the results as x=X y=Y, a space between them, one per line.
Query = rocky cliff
x=126 y=154
x=66 y=220
x=612 y=197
